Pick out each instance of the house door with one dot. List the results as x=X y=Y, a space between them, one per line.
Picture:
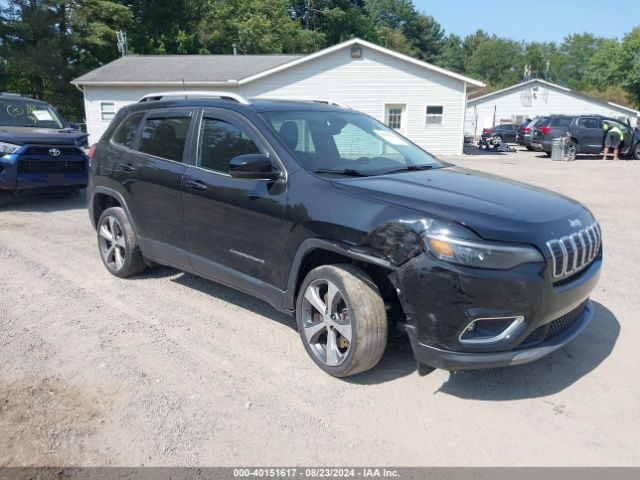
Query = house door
x=395 y=116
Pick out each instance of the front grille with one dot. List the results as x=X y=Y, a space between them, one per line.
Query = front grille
x=575 y=252
x=555 y=327
x=51 y=166
x=44 y=150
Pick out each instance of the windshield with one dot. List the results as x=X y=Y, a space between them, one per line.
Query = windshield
x=347 y=142
x=24 y=113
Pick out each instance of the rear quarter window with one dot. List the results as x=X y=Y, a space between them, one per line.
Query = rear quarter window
x=126 y=131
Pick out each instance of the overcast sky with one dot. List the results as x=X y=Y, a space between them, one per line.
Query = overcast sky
x=534 y=20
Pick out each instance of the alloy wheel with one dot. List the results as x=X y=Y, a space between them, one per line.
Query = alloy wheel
x=326 y=322
x=112 y=243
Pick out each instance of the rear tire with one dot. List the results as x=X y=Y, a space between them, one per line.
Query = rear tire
x=572 y=150
x=529 y=147
x=117 y=244
x=341 y=319
x=636 y=151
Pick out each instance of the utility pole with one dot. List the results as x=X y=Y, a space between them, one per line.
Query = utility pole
x=122 y=42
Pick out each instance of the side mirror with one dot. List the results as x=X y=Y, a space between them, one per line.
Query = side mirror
x=255 y=166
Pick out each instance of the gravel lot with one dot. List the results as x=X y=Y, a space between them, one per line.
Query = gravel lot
x=170 y=369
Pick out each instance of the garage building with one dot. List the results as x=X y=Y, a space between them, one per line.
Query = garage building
x=536 y=98
x=424 y=102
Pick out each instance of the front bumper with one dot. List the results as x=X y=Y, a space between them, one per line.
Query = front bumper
x=440 y=300
x=29 y=169
x=449 y=360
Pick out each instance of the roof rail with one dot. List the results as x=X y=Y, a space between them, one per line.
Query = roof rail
x=177 y=94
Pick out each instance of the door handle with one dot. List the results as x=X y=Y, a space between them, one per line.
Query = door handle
x=128 y=167
x=195 y=185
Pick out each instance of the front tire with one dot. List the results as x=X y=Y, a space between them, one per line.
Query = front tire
x=341 y=319
x=117 y=244
x=636 y=151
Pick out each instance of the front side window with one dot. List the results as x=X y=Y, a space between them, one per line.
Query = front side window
x=434 y=115
x=19 y=112
x=333 y=140
x=220 y=142
x=164 y=137
x=126 y=132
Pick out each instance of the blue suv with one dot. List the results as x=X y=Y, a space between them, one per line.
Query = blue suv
x=39 y=150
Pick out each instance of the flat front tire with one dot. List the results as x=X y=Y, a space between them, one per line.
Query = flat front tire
x=341 y=319
x=117 y=244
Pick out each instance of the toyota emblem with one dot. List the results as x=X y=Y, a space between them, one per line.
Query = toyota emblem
x=54 y=152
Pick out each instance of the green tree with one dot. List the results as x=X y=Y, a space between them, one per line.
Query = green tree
x=496 y=61
x=604 y=67
x=452 y=54
x=570 y=60
x=630 y=64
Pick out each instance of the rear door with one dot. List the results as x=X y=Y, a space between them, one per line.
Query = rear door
x=152 y=175
x=588 y=131
x=235 y=227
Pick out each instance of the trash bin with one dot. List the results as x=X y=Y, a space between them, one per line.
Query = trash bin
x=558 y=148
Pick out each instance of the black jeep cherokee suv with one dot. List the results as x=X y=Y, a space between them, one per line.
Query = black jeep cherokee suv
x=332 y=217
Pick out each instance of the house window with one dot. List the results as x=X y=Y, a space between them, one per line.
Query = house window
x=394 y=116
x=107 y=110
x=434 y=115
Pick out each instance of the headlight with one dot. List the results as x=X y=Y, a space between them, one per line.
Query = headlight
x=6 y=148
x=480 y=254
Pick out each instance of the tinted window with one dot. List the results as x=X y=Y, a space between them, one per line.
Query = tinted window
x=220 y=142
x=543 y=122
x=560 y=122
x=164 y=137
x=589 y=122
x=126 y=132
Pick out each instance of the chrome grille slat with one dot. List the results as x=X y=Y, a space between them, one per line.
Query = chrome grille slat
x=575 y=252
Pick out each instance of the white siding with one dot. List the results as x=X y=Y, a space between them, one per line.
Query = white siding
x=525 y=101
x=365 y=84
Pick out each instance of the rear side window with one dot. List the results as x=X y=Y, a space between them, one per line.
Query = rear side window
x=589 y=122
x=220 y=142
x=560 y=122
x=126 y=132
x=164 y=137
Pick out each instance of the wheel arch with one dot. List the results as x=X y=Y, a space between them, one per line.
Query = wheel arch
x=315 y=252
x=104 y=198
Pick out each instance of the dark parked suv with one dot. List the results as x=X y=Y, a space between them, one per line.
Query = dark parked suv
x=336 y=219
x=586 y=135
x=39 y=150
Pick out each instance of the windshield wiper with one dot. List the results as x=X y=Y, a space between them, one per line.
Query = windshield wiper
x=342 y=171
x=410 y=168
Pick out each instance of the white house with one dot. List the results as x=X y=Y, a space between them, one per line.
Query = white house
x=536 y=98
x=426 y=103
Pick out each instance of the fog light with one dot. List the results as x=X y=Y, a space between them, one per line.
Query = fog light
x=490 y=330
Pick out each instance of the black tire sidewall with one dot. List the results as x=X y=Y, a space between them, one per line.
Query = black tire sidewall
x=327 y=274
x=131 y=263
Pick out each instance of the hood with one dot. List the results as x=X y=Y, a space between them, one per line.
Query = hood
x=41 y=136
x=495 y=208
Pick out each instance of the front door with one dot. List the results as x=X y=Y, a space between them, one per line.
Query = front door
x=395 y=116
x=235 y=227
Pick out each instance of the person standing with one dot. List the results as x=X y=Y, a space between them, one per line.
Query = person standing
x=614 y=138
